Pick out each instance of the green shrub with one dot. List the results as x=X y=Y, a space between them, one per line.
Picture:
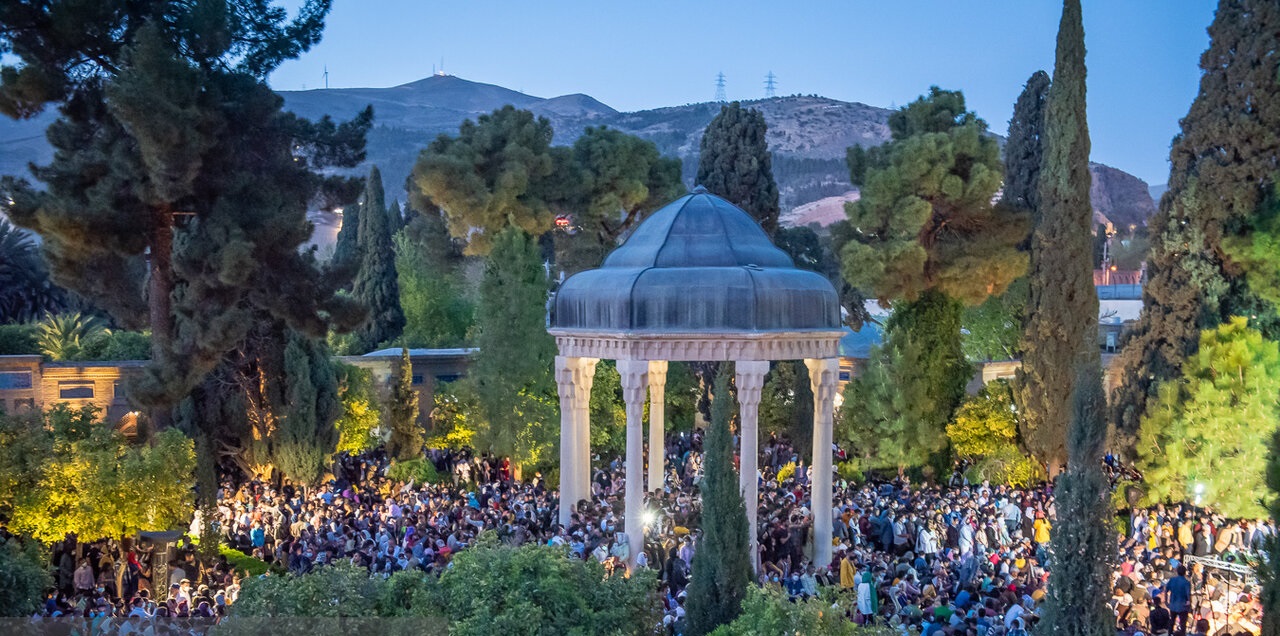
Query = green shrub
x=851 y=472
x=18 y=340
x=23 y=578
x=769 y=611
x=1007 y=467
x=241 y=562
x=419 y=470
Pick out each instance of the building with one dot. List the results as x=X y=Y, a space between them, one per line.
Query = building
x=28 y=383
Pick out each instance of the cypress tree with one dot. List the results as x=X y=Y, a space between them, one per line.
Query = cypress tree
x=734 y=162
x=1062 y=305
x=402 y=413
x=512 y=371
x=307 y=437
x=345 y=249
x=1083 y=542
x=721 y=564
x=1223 y=164
x=1024 y=149
x=376 y=286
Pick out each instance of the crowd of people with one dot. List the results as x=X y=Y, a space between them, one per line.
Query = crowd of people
x=954 y=559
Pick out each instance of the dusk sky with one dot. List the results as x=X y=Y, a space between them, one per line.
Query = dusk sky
x=1142 y=54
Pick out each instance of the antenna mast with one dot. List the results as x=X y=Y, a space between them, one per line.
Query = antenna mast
x=770 y=85
x=326 y=76
x=720 y=97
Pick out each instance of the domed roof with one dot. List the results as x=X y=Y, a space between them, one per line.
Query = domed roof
x=700 y=264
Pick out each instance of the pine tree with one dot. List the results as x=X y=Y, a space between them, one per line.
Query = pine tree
x=376 y=286
x=1024 y=150
x=1062 y=305
x=611 y=182
x=1223 y=166
x=734 y=162
x=171 y=153
x=499 y=172
x=512 y=370
x=402 y=413
x=721 y=564
x=925 y=237
x=1082 y=545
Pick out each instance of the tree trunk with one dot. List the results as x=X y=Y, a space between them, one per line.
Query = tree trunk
x=160 y=303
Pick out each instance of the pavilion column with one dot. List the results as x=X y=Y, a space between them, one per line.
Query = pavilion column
x=657 y=423
x=750 y=382
x=573 y=379
x=823 y=374
x=584 y=377
x=568 y=436
x=635 y=377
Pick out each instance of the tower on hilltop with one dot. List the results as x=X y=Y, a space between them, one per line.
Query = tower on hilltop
x=770 y=85
x=720 y=96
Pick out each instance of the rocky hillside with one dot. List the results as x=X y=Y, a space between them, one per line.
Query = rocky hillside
x=808 y=134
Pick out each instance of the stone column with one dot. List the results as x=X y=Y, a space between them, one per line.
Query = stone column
x=823 y=376
x=635 y=376
x=573 y=379
x=569 y=494
x=584 y=378
x=657 y=424
x=750 y=381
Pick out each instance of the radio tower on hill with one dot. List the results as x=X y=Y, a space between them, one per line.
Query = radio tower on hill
x=720 y=97
x=770 y=85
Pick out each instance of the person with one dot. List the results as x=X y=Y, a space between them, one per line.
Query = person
x=1160 y=621
x=1179 y=590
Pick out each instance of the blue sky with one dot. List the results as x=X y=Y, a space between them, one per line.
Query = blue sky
x=1142 y=54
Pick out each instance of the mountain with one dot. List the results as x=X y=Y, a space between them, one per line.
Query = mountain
x=807 y=134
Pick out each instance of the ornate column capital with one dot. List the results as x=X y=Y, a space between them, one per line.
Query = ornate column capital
x=635 y=380
x=824 y=375
x=750 y=380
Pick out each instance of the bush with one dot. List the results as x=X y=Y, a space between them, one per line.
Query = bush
x=537 y=589
x=116 y=345
x=1007 y=467
x=769 y=611
x=419 y=470
x=241 y=562
x=787 y=471
x=851 y=472
x=23 y=577
x=18 y=340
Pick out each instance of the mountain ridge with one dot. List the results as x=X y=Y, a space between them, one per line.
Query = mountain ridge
x=808 y=134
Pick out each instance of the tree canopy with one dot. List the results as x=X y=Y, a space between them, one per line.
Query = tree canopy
x=498 y=172
x=171 y=154
x=734 y=162
x=925 y=220
x=1222 y=169
x=1060 y=326
x=1205 y=437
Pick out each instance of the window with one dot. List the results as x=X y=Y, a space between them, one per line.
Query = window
x=15 y=380
x=23 y=405
x=117 y=390
x=75 y=391
x=445 y=379
x=417 y=379
x=2 y=410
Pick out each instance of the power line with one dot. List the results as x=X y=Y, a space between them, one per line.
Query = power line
x=770 y=85
x=720 y=96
